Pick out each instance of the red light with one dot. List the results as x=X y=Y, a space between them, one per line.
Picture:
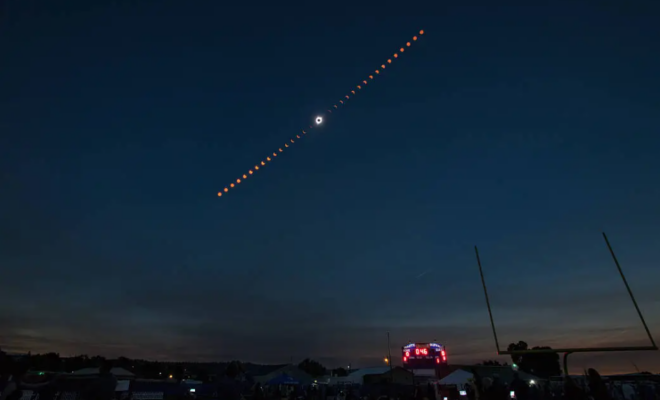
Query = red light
x=443 y=353
x=405 y=359
x=437 y=360
x=407 y=354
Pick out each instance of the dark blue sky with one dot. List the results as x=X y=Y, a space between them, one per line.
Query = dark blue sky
x=526 y=129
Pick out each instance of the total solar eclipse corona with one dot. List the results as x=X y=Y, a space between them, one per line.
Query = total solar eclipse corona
x=341 y=103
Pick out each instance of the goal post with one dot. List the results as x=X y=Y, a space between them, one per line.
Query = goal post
x=567 y=351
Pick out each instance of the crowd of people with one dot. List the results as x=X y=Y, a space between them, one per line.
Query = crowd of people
x=235 y=385
x=596 y=388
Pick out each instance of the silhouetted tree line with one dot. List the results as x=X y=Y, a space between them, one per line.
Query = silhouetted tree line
x=493 y=363
x=313 y=368
x=542 y=365
x=52 y=362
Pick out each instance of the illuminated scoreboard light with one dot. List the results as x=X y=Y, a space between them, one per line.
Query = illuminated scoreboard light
x=423 y=355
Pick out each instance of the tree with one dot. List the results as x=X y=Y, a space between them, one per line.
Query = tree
x=517 y=358
x=97 y=361
x=178 y=372
x=313 y=368
x=543 y=365
x=123 y=362
x=52 y=362
x=234 y=368
x=75 y=363
x=6 y=363
x=203 y=376
x=149 y=370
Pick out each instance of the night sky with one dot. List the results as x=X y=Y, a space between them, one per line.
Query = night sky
x=525 y=128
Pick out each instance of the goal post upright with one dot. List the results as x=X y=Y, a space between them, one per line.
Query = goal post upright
x=632 y=296
x=490 y=311
x=567 y=351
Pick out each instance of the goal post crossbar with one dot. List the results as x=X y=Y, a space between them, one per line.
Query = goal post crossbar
x=577 y=350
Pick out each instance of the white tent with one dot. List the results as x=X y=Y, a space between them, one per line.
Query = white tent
x=459 y=378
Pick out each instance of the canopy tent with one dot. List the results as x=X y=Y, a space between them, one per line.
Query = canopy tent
x=283 y=379
x=460 y=378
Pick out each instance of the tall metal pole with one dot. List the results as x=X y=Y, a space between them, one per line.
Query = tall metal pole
x=389 y=361
x=639 y=312
x=490 y=313
x=389 y=355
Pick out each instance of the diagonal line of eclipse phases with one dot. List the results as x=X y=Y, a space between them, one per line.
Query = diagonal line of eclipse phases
x=318 y=120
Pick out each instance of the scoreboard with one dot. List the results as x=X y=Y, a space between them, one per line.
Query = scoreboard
x=423 y=355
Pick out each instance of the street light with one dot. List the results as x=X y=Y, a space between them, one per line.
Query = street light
x=387 y=360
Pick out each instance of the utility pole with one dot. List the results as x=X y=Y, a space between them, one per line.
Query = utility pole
x=389 y=361
x=389 y=355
